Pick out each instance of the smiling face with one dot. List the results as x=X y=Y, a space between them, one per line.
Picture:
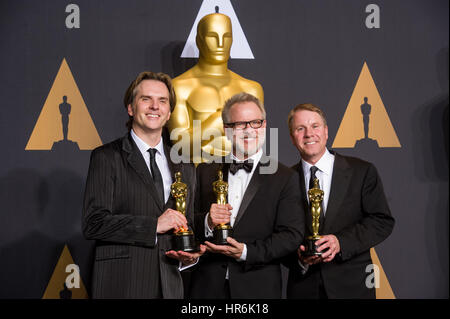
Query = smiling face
x=246 y=142
x=214 y=38
x=150 y=108
x=309 y=134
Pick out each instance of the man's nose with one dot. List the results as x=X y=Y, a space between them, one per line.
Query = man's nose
x=154 y=105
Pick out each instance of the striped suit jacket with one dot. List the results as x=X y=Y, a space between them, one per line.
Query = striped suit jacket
x=120 y=212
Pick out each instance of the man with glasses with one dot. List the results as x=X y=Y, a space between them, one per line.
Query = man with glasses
x=263 y=209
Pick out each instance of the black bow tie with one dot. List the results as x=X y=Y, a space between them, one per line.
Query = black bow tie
x=235 y=166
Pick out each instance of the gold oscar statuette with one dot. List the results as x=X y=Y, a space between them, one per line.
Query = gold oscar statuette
x=202 y=91
x=315 y=196
x=221 y=231
x=183 y=238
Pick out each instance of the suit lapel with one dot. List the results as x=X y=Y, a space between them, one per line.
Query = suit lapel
x=172 y=166
x=173 y=169
x=251 y=190
x=304 y=201
x=340 y=183
x=137 y=162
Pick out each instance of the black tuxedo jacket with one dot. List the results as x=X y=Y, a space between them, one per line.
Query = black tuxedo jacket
x=269 y=221
x=121 y=209
x=359 y=216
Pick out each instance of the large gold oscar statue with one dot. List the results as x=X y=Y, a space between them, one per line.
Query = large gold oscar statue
x=202 y=90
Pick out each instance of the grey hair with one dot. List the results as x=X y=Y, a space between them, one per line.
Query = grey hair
x=241 y=98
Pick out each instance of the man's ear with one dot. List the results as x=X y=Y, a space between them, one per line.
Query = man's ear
x=264 y=125
x=130 y=110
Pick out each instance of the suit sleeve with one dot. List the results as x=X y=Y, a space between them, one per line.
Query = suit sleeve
x=376 y=223
x=100 y=222
x=288 y=231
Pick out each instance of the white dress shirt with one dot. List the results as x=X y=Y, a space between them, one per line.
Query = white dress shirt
x=237 y=185
x=160 y=159
x=324 y=174
x=163 y=166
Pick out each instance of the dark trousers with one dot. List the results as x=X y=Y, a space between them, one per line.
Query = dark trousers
x=308 y=286
x=226 y=290
x=322 y=292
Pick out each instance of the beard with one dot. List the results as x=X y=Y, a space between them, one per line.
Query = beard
x=248 y=144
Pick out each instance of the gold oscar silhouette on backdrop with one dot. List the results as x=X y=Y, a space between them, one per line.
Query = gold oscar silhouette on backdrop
x=202 y=90
x=65 y=144
x=366 y=142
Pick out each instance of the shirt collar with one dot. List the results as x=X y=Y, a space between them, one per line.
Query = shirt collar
x=255 y=158
x=143 y=147
x=324 y=164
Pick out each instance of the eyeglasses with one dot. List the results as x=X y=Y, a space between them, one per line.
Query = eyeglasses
x=243 y=125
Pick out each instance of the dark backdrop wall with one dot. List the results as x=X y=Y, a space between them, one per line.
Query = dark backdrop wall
x=305 y=51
